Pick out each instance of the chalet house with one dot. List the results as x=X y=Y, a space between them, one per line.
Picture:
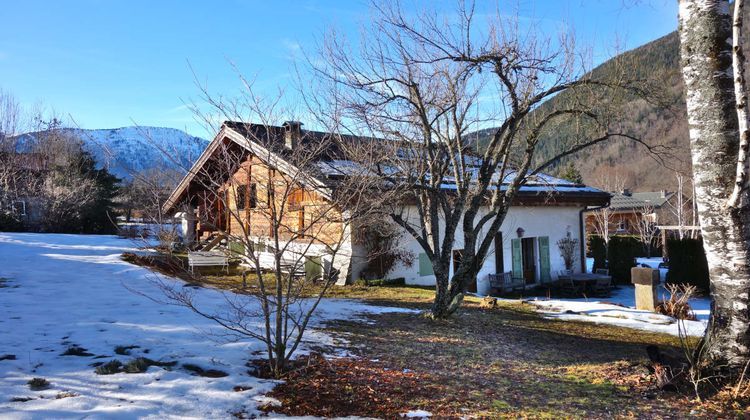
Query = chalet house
x=546 y=210
x=627 y=209
x=21 y=171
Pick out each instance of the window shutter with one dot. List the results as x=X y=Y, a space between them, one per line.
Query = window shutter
x=425 y=265
x=515 y=247
x=499 y=263
x=544 y=268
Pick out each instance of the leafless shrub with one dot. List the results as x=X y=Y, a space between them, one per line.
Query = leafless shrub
x=568 y=247
x=701 y=370
x=677 y=305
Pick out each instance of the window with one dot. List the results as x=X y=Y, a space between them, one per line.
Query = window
x=241 y=197
x=295 y=199
x=253 y=197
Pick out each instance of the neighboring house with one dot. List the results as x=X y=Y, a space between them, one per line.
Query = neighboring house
x=546 y=209
x=19 y=176
x=627 y=210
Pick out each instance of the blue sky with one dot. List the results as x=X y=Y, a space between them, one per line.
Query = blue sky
x=115 y=63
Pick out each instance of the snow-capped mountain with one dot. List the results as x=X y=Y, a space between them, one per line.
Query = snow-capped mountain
x=130 y=150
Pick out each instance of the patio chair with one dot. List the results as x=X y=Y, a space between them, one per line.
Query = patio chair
x=603 y=287
x=569 y=288
x=602 y=271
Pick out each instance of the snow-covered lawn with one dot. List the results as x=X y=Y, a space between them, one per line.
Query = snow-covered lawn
x=619 y=309
x=58 y=291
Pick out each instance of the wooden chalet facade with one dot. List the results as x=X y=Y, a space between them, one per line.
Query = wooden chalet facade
x=547 y=209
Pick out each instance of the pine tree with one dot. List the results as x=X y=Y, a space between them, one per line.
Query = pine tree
x=99 y=217
x=571 y=174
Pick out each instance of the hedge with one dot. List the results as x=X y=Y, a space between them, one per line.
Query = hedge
x=598 y=250
x=400 y=281
x=622 y=253
x=687 y=263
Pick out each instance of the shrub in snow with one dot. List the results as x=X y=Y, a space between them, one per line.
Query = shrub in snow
x=109 y=368
x=77 y=351
x=209 y=373
x=124 y=350
x=677 y=305
x=141 y=365
x=38 y=384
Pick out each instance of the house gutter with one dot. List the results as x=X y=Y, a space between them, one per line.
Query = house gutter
x=582 y=232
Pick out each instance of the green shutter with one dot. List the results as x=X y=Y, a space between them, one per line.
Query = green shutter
x=237 y=248
x=515 y=247
x=544 y=259
x=425 y=265
x=313 y=268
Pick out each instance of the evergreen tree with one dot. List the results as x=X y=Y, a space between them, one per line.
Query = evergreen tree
x=99 y=217
x=570 y=173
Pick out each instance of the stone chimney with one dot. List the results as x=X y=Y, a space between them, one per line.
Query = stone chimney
x=292 y=134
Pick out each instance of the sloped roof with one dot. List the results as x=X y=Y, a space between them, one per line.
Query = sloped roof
x=636 y=200
x=332 y=163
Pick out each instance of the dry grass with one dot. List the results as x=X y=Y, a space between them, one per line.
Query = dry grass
x=483 y=363
x=506 y=362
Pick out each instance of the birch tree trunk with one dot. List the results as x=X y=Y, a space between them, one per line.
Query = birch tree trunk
x=706 y=60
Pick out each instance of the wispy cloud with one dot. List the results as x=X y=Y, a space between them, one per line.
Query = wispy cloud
x=292 y=48
x=178 y=109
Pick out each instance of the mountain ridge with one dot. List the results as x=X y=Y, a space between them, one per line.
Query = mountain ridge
x=126 y=151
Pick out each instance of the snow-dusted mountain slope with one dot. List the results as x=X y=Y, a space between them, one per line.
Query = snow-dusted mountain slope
x=130 y=150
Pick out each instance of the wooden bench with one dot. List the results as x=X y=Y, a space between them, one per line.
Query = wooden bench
x=504 y=282
x=267 y=262
x=207 y=259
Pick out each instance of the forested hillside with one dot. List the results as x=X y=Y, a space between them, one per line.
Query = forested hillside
x=663 y=125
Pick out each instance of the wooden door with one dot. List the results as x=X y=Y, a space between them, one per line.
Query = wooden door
x=529 y=261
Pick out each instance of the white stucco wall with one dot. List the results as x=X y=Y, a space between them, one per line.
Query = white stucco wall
x=551 y=221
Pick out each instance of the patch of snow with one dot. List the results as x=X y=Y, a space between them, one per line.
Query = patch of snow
x=417 y=414
x=619 y=309
x=65 y=290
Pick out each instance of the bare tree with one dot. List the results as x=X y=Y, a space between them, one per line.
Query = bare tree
x=715 y=102
x=682 y=206
x=259 y=191
x=416 y=81
x=645 y=226
x=16 y=170
x=604 y=222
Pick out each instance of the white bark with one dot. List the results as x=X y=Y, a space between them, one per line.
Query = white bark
x=740 y=93
x=706 y=55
